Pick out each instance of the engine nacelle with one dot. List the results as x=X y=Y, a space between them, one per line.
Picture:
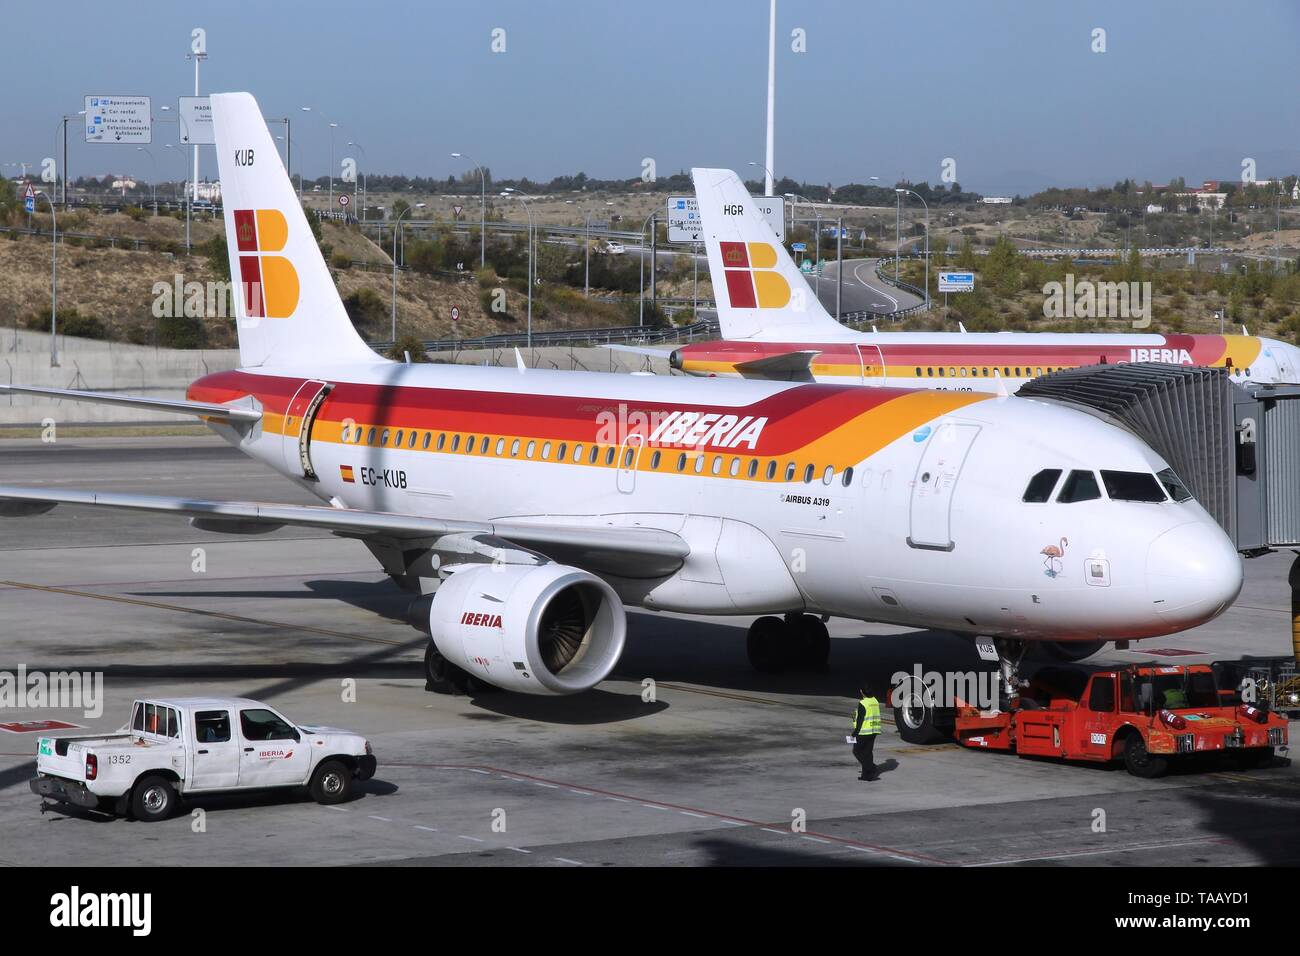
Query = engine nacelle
x=544 y=629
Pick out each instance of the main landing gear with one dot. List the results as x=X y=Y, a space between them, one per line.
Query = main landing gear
x=796 y=641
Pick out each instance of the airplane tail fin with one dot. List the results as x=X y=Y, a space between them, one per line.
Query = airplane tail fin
x=759 y=291
x=287 y=307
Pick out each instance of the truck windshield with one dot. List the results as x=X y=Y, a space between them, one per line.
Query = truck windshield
x=1178 y=691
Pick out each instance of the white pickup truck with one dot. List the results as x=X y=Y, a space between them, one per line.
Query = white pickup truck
x=176 y=747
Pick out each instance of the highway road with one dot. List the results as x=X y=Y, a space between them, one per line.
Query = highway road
x=862 y=290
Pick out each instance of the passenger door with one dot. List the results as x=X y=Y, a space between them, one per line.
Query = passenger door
x=299 y=413
x=272 y=752
x=872 y=363
x=934 y=484
x=214 y=752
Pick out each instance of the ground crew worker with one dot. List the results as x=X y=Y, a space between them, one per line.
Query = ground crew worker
x=866 y=728
x=1175 y=698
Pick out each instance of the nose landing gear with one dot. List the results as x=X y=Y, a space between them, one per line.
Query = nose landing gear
x=799 y=641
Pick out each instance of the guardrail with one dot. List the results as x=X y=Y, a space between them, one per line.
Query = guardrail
x=627 y=334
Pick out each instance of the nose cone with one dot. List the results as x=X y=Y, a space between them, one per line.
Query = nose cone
x=1193 y=574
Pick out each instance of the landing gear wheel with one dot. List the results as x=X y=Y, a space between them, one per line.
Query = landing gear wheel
x=153 y=798
x=1252 y=757
x=331 y=783
x=811 y=640
x=918 y=720
x=1140 y=762
x=768 y=645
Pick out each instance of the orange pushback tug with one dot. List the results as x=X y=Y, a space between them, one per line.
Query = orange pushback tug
x=1143 y=714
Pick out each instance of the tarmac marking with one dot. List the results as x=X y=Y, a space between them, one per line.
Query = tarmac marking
x=419 y=826
x=517 y=849
x=463 y=837
x=220 y=615
x=565 y=860
x=728 y=819
x=381 y=819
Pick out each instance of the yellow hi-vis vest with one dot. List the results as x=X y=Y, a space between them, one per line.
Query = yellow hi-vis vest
x=871 y=716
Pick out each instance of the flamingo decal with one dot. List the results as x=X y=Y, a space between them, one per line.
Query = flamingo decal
x=1052 y=557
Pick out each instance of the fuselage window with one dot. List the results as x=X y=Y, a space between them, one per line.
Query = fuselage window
x=501 y=445
x=470 y=444
x=514 y=448
x=1132 y=486
x=562 y=451
x=735 y=467
x=546 y=451
x=717 y=464
x=918 y=371
x=410 y=441
x=790 y=468
x=455 y=443
x=941 y=371
x=828 y=475
x=397 y=443
x=442 y=441
x=577 y=452
x=1040 y=486
x=654 y=461
x=699 y=463
x=1038 y=371
x=1079 y=486
x=532 y=449
x=424 y=445
x=383 y=439
x=848 y=476
x=771 y=470
x=681 y=462
x=753 y=468
x=963 y=371
x=627 y=458
x=808 y=473
x=929 y=371
x=370 y=438
x=595 y=454
x=609 y=455
x=347 y=434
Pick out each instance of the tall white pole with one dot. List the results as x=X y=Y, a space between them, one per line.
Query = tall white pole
x=196 y=60
x=771 y=98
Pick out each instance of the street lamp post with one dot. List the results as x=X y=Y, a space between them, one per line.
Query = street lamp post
x=641 y=313
x=54 y=280
x=512 y=193
x=586 y=246
x=365 y=174
x=768 y=173
x=817 y=242
x=482 y=210
x=397 y=225
x=899 y=194
x=333 y=127
x=185 y=163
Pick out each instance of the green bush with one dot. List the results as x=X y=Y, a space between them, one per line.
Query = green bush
x=408 y=343
x=366 y=308
x=340 y=261
x=179 y=332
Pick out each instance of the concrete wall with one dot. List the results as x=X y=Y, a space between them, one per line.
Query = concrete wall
x=102 y=367
x=143 y=370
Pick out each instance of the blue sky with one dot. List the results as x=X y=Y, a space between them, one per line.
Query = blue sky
x=1010 y=89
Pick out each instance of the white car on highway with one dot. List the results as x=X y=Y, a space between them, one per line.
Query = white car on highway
x=175 y=747
x=614 y=248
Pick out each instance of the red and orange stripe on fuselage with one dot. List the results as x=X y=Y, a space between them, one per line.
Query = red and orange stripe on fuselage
x=877 y=356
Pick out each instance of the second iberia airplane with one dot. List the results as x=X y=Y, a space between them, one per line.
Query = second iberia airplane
x=527 y=508
x=774 y=328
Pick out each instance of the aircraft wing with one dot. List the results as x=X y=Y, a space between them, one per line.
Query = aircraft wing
x=225 y=413
x=628 y=552
x=795 y=366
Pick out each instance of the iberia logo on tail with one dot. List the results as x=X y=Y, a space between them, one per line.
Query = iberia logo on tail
x=269 y=282
x=752 y=281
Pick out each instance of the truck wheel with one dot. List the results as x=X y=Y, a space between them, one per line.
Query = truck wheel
x=331 y=783
x=153 y=798
x=1140 y=762
x=1253 y=757
x=766 y=644
x=919 y=722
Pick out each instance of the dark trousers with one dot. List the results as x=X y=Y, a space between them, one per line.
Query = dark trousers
x=862 y=752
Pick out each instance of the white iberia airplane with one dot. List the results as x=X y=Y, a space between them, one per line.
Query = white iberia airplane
x=773 y=327
x=528 y=507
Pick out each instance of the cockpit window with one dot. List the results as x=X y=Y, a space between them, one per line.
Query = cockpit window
x=1079 y=486
x=1174 y=486
x=1132 y=486
x=1040 y=486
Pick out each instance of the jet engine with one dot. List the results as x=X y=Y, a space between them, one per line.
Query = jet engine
x=543 y=629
